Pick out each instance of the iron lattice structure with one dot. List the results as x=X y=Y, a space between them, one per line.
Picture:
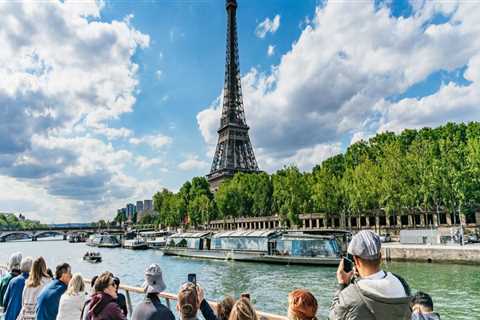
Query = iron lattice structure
x=234 y=150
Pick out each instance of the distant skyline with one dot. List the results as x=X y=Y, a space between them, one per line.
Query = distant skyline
x=103 y=103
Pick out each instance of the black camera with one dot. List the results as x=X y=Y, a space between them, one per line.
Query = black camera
x=348 y=263
x=192 y=277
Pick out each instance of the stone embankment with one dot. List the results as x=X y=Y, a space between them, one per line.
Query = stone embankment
x=467 y=254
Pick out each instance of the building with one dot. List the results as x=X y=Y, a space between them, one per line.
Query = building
x=234 y=152
x=147 y=205
x=131 y=210
x=140 y=211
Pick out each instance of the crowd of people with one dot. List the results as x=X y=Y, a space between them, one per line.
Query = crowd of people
x=29 y=291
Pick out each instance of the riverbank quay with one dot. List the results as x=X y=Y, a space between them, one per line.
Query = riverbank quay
x=168 y=297
x=466 y=254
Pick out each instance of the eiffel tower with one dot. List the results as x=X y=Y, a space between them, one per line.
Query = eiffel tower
x=234 y=150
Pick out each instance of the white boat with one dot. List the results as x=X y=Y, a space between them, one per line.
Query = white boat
x=103 y=241
x=155 y=239
x=135 y=244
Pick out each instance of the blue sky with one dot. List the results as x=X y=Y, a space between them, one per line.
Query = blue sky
x=104 y=103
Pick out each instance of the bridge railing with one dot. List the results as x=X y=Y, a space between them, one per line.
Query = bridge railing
x=169 y=297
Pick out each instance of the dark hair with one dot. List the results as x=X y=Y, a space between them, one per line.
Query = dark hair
x=423 y=299
x=92 y=282
x=103 y=281
x=50 y=273
x=61 y=270
x=116 y=280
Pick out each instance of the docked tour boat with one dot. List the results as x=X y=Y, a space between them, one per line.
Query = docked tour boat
x=103 y=241
x=257 y=246
x=135 y=244
x=155 y=239
x=93 y=257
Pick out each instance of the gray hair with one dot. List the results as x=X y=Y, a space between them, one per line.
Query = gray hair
x=26 y=264
x=14 y=261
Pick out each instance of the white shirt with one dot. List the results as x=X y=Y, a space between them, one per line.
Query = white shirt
x=383 y=284
x=29 y=300
x=71 y=306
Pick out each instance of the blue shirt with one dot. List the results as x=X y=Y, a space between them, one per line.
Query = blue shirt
x=12 y=301
x=49 y=299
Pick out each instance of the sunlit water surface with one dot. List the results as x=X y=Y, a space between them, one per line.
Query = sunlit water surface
x=455 y=288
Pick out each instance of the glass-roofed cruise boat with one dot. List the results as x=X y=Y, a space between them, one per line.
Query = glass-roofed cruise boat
x=257 y=246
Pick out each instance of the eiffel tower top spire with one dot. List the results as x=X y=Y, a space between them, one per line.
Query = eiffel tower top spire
x=234 y=150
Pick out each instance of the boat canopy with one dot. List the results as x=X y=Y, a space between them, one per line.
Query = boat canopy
x=306 y=245
x=243 y=240
x=190 y=240
x=190 y=235
x=245 y=234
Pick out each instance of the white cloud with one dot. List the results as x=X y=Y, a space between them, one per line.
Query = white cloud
x=271 y=50
x=334 y=83
x=193 y=163
x=65 y=76
x=267 y=26
x=155 y=141
x=159 y=74
x=144 y=162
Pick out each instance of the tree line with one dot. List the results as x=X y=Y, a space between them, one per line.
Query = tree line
x=9 y=221
x=416 y=171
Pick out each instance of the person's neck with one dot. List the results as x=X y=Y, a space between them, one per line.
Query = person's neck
x=366 y=272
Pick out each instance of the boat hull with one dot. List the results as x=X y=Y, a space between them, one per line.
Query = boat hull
x=136 y=247
x=250 y=257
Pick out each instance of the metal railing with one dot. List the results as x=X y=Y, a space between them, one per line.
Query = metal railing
x=168 y=298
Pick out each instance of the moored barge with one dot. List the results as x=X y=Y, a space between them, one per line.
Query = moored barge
x=267 y=246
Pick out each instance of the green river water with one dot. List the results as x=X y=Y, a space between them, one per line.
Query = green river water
x=454 y=288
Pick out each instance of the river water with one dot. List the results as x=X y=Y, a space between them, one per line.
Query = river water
x=454 y=288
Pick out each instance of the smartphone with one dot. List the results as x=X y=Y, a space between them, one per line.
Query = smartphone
x=245 y=295
x=192 y=277
x=347 y=263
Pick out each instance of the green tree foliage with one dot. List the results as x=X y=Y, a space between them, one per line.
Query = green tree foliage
x=415 y=171
x=10 y=221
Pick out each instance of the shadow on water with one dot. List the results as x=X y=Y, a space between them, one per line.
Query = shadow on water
x=455 y=288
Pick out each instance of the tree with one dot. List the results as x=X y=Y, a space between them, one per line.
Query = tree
x=201 y=210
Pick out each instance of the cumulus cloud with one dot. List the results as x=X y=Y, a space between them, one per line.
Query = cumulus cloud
x=268 y=26
x=335 y=82
x=65 y=75
x=144 y=162
x=193 y=163
x=155 y=141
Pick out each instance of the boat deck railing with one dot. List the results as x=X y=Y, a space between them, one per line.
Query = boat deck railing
x=168 y=297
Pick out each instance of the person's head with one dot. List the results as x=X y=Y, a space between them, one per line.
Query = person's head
x=224 y=308
x=154 y=280
x=188 y=304
x=39 y=271
x=14 y=262
x=243 y=310
x=92 y=283
x=105 y=284
x=26 y=264
x=63 y=273
x=365 y=248
x=422 y=302
x=50 y=273
x=76 y=285
x=302 y=305
x=116 y=282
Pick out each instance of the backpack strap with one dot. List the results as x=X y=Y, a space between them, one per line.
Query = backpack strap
x=404 y=283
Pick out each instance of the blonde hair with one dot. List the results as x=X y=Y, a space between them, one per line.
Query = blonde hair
x=37 y=272
x=243 y=310
x=76 y=285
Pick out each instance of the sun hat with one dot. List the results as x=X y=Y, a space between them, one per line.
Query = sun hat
x=153 y=279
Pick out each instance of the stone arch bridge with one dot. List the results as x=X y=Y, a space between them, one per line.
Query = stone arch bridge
x=35 y=233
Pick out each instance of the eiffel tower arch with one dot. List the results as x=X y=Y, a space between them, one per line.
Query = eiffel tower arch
x=234 y=151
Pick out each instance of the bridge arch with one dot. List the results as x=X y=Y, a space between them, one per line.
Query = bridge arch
x=5 y=234
x=60 y=233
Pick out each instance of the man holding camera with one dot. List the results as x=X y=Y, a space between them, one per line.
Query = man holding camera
x=367 y=292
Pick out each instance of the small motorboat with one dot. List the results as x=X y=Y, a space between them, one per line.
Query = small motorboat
x=93 y=257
